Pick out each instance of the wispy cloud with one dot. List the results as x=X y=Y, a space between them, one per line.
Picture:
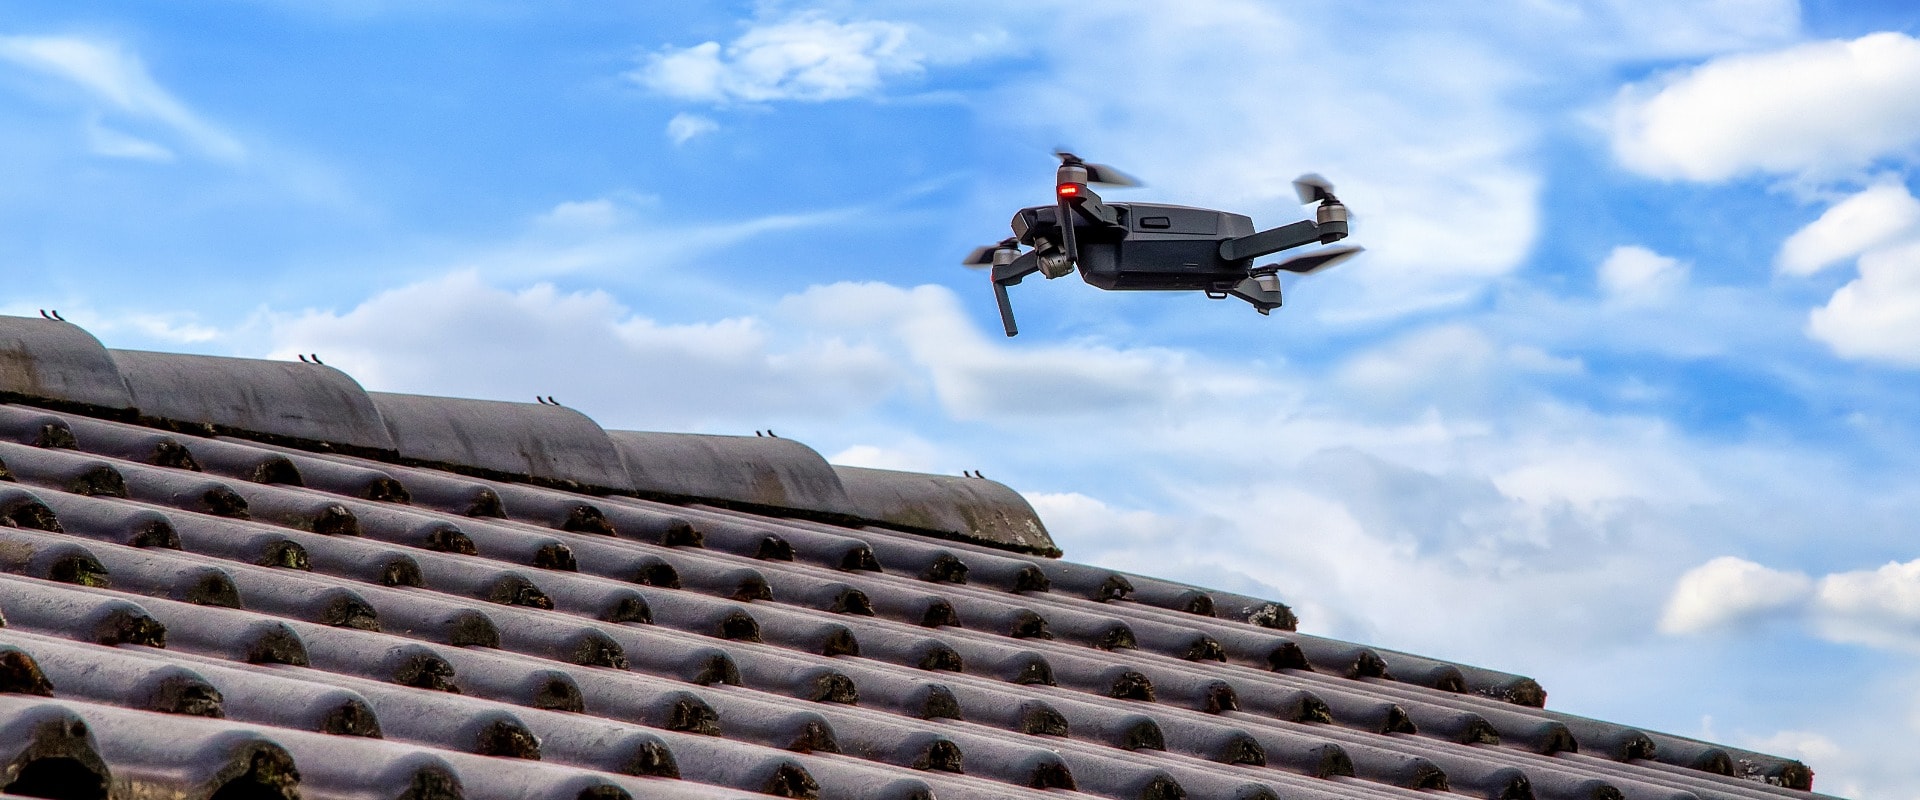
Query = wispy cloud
x=116 y=81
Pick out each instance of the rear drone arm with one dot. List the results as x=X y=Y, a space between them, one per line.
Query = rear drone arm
x=1285 y=237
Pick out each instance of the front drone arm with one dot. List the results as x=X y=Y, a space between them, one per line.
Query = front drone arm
x=1008 y=274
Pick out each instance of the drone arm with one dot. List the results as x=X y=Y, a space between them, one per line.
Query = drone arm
x=1006 y=275
x=1271 y=240
x=1006 y=309
x=1013 y=272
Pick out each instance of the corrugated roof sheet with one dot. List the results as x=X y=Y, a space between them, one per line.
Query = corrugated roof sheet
x=210 y=616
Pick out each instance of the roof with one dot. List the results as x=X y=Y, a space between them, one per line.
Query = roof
x=233 y=578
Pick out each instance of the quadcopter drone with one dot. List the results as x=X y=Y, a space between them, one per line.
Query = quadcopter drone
x=1156 y=247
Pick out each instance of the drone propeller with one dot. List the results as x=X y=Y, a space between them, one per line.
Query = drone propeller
x=1097 y=173
x=1311 y=262
x=1313 y=188
x=983 y=257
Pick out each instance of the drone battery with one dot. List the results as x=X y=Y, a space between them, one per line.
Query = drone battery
x=1162 y=247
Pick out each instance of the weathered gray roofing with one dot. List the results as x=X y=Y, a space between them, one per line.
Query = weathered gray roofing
x=264 y=615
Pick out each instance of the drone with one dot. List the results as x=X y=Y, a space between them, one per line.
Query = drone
x=1158 y=247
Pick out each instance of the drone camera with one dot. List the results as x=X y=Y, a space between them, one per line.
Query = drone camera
x=1055 y=264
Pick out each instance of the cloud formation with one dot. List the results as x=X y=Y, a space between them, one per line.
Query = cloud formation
x=807 y=58
x=1875 y=316
x=1728 y=591
x=1635 y=275
x=1820 y=109
x=1878 y=607
x=118 y=82
x=1870 y=219
x=684 y=127
x=456 y=334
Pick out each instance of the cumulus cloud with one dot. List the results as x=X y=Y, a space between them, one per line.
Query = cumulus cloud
x=1818 y=108
x=1727 y=591
x=1878 y=607
x=805 y=58
x=685 y=127
x=973 y=378
x=1635 y=275
x=117 y=80
x=1870 y=219
x=1875 y=317
x=458 y=335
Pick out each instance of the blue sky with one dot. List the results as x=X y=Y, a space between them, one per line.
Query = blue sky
x=1620 y=397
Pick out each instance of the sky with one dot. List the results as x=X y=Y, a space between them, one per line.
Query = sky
x=1621 y=395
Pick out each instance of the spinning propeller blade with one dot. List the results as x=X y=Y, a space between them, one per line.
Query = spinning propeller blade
x=1098 y=173
x=983 y=257
x=1313 y=188
x=1315 y=261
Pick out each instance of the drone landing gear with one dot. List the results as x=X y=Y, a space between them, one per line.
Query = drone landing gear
x=1258 y=293
x=1006 y=309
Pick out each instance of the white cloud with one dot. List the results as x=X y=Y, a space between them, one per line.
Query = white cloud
x=118 y=79
x=1870 y=219
x=1879 y=607
x=917 y=457
x=1728 y=591
x=1818 y=108
x=457 y=335
x=1875 y=317
x=684 y=127
x=1451 y=365
x=1634 y=275
x=973 y=378
x=804 y=58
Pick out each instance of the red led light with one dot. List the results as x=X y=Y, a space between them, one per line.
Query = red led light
x=1069 y=189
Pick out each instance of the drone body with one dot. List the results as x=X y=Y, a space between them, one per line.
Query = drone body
x=1157 y=247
